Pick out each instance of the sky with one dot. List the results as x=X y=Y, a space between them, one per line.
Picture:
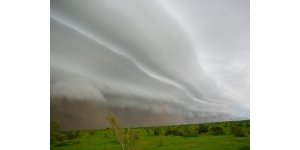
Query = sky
x=151 y=62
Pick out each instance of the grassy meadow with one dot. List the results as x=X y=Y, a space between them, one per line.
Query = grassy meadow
x=234 y=135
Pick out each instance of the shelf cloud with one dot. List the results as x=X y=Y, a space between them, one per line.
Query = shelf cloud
x=181 y=61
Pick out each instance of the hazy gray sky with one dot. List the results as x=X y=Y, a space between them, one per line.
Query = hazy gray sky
x=183 y=57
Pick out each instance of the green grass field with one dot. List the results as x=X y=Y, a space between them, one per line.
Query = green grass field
x=189 y=137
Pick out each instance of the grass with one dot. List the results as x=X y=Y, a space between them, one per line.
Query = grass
x=104 y=140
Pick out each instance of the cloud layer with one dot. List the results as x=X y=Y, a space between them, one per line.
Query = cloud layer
x=178 y=58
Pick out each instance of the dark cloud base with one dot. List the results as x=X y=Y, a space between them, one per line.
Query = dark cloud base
x=91 y=115
x=76 y=114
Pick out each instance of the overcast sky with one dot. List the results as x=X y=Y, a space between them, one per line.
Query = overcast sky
x=183 y=57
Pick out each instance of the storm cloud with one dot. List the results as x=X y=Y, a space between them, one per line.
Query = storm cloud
x=183 y=60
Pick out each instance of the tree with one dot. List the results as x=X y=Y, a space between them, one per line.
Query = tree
x=123 y=136
x=161 y=136
x=116 y=129
x=54 y=126
x=189 y=131
x=202 y=129
x=56 y=134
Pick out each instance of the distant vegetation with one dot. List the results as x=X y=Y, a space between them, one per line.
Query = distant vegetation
x=60 y=137
x=238 y=131
x=217 y=130
x=234 y=135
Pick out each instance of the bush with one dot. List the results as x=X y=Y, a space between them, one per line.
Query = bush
x=248 y=124
x=132 y=138
x=60 y=137
x=174 y=132
x=179 y=133
x=156 y=131
x=148 y=131
x=56 y=134
x=53 y=138
x=189 y=131
x=54 y=126
x=202 y=129
x=170 y=132
x=92 y=132
x=71 y=135
x=238 y=131
x=217 y=130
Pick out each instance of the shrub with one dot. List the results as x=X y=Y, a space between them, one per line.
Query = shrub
x=156 y=131
x=189 y=131
x=92 y=132
x=217 y=130
x=131 y=139
x=71 y=135
x=174 y=132
x=148 y=131
x=202 y=129
x=237 y=131
x=60 y=137
x=179 y=133
x=56 y=134
x=169 y=132
x=53 y=138
x=248 y=124
x=133 y=135
x=54 y=126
